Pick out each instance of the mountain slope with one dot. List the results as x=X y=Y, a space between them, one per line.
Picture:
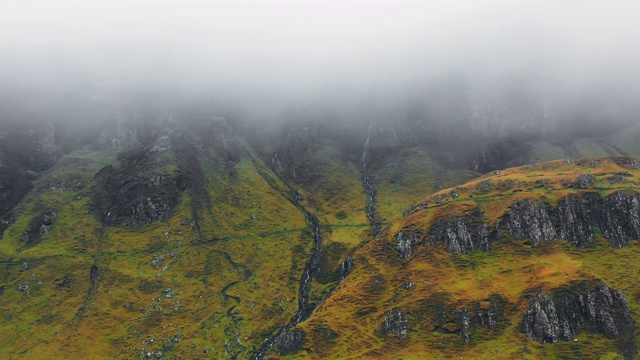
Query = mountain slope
x=457 y=276
x=98 y=262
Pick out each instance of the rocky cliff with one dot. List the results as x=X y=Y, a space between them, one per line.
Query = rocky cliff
x=566 y=311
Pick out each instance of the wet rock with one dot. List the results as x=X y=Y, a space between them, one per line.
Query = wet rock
x=464 y=321
x=620 y=218
x=39 y=227
x=346 y=267
x=290 y=342
x=395 y=323
x=541 y=322
x=528 y=219
x=406 y=241
x=461 y=234
x=132 y=193
x=590 y=306
x=574 y=221
x=584 y=181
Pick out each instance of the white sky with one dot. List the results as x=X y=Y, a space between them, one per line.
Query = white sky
x=292 y=44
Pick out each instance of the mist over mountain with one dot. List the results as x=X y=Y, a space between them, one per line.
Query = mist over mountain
x=319 y=179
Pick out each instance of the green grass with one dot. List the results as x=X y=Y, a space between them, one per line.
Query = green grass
x=406 y=178
x=258 y=228
x=513 y=269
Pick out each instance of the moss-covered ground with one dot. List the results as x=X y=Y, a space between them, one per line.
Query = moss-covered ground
x=216 y=293
x=346 y=325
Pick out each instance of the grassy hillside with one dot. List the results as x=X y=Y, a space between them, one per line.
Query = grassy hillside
x=90 y=290
x=434 y=283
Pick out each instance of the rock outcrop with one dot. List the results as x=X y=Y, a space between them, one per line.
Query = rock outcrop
x=565 y=312
x=406 y=241
x=529 y=219
x=395 y=323
x=584 y=181
x=346 y=267
x=290 y=342
x=462 y=234
x=617 y=215
x=574 y=221
x=464 y=320
x=134 y=193
x=39 y=227
x=620 y=218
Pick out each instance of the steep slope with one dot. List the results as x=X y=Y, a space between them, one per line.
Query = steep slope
x=184 y=247
x=537 y=261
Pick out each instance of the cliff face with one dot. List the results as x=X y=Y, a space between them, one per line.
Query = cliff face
x=133 y=193
x=528 y=219
x=617 y=216
x=462 y=234
x=620 y=218
x=574 y=220
x=589 y=306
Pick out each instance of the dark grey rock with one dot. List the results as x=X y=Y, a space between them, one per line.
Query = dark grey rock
x=409 y=285
x=574 y=221
x=589 y=306
x=395 y=323
x=39 y=227
x=584 y=181
x=620 y=218
x=168 y=345
x=461 y=234
x=93 y=274
x=528 y=219
x=132 y=193
x=464 y=321
x=619 y=178
x=290 y=342
x=406 y=241
x=346 y=267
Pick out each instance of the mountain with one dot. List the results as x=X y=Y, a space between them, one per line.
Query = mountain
x=530 y=262
x=183 y=231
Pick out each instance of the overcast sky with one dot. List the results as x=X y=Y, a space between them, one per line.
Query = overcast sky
x=292 y=47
